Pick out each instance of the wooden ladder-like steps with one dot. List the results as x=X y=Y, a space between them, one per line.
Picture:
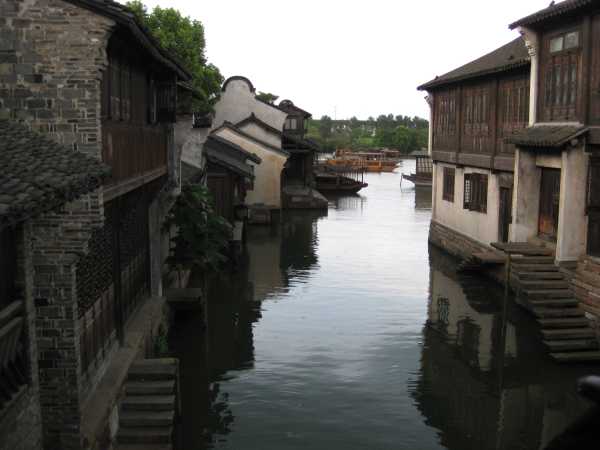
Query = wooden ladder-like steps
x=148 y=411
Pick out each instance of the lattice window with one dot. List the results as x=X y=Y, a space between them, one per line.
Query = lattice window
x=448 y=192
x=475 y=192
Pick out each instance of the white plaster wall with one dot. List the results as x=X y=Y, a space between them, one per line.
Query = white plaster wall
x=237 y=102
x=267 y=182
x=482 y=227
x=526 y=197
x=260 y=133
x=572 y=219
x=190 y=140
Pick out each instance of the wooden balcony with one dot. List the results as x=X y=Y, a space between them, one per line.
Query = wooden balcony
x=137 y=154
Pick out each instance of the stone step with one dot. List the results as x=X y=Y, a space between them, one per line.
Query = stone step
x=145 y=447
x=573 y=357
x=547 y=293
x=149 y=402
x=554 y=303
x=150 y=419
x=519 y=267
x=540 y=276
x=533 y=260
x=572 y=345
x=544 y=284
x=153 y=369
x=159 y=435
x=160 y=387
x=569 y=333
x=546 y=313
x=565 y=323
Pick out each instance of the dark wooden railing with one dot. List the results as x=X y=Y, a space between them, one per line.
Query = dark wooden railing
x=133 y=150
x=13 y=361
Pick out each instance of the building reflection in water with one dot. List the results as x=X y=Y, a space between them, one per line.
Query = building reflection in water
x=485 y=380
x=346 y=201
x=214 y=343
x=423 y=199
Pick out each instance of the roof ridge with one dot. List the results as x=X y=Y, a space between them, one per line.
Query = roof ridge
x=506 y=57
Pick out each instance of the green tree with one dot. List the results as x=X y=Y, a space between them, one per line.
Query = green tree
x=325 y=127
x=202 y=238
x=267 y=97
x=183 y=37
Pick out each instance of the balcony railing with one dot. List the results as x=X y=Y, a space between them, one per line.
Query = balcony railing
x=133 y=150
x=13 y=361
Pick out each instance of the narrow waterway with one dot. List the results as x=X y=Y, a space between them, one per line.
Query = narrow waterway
x=344 y=330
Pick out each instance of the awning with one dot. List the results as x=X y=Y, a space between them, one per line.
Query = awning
x=546 y=136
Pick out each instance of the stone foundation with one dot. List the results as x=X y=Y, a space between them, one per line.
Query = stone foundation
x=586 y=285
x=455 y=243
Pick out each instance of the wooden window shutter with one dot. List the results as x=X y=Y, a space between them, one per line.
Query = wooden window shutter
x=167 y=102
x=483 y=189
x=467 y=191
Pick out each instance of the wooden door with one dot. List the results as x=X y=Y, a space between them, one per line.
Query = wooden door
x=505 y=213
x=549 y=203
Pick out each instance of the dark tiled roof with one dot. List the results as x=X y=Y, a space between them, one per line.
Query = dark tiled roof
x=509 y=56
x=264 y=125
x=232 y=164
x=123 y=16
x=38 y=174
x=238 y=78
x=552 y=11
x=248 y=136
x=289 y=107
x=547 y=136
x=218 y=143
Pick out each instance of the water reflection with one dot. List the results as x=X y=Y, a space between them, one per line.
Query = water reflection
x=423 y=197
x=342 y=332
x=346 y=201
x=486 y=381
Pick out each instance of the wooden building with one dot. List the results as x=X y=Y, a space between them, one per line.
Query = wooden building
x=557 y=170
x=229 y=173
x=104 y=90
x=473 y=109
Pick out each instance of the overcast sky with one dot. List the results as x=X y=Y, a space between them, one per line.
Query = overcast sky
x=351 y=58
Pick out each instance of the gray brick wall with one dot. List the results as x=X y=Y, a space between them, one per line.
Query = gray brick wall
x=52 y=54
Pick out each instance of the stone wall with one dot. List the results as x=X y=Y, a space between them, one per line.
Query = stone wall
x=58 y=240
x=586 y=284
x=455 y=243
x=52 y=54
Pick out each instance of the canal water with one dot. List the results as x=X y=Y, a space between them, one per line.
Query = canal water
x=345 y=330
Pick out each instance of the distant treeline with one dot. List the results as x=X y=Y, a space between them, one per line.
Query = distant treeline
x=402 y=133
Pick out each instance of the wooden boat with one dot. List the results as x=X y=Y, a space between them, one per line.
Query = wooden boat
x=424 y=170
x=369 y=161
x=329 y=182
x=340 y=178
